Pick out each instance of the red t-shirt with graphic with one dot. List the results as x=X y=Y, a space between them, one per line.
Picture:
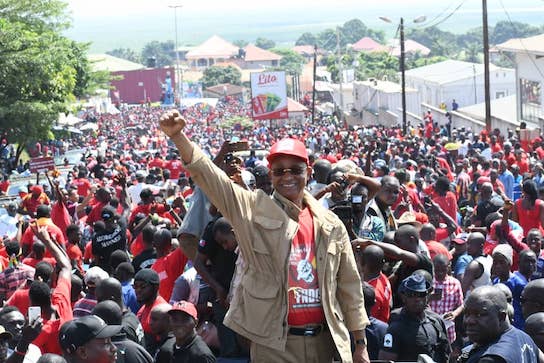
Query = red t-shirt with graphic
x=304 y=294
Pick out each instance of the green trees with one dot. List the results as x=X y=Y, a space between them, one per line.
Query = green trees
x=349 y=33
x=264 y=43
x=163 y=52
x=291 y=62
x=126 y=53
x=216 y=75
x=40 y=69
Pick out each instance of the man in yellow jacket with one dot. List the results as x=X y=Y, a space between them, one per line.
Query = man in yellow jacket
x=300 y=294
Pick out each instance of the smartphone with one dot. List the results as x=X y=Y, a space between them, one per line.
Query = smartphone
x=34 y=312
x=238 y=146
x=356 y=199
x=436 y=295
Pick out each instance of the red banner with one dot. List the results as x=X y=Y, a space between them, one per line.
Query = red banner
x=38 y=165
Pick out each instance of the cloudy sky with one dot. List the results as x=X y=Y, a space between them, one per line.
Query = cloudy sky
x=131 y=23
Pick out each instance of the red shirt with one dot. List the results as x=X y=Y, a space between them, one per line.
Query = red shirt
x=31 y=261
x=304 y=295
x=48 y=340
x=448 y=203
x=156 y=163
x=28 y=237
x=175 y=167
x=20 y=300
x=144 y=314
x=74 y=253
x=169 y=268
x=83 y=186
x=382 y=289
x=30 y=204
x=96 y=213
x=137 y=246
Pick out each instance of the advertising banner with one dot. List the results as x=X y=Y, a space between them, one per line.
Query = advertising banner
x=269 y=96
x=41 y=164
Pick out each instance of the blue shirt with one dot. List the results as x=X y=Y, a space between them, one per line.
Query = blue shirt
x=461 y=264
x=507 y=179
x=129 y=297
x=517 y=283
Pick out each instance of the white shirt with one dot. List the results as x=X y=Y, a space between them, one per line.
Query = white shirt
x=8 y=226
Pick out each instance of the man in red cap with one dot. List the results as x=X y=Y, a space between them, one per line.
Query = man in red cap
x=35 y=198
x=292 y=246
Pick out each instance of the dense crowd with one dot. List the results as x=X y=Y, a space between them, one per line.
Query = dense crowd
x=139 y=253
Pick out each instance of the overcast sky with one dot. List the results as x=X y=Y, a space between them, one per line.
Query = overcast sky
x=131 y=23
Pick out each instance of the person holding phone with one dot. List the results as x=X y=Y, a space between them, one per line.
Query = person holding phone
x=284 y=257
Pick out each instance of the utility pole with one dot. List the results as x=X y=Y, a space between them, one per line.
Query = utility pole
x=474 y=82
x=314 y=78
x=340 y=73
x=179 y=79
x=402 y=75
x=486 y=68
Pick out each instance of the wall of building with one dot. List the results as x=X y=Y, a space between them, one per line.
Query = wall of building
x=466 y=92
x=135 y=86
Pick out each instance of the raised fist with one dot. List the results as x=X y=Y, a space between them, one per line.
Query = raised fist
x=172 y=123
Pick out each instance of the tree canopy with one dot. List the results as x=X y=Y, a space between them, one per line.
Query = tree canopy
x=265 y=43
x=217 y=75
x=40 y=69
x=291 y=62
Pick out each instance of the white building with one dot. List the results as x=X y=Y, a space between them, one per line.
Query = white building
x=380 y=102
x=529 y=53
x=460 y=81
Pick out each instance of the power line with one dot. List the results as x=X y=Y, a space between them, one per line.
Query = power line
x=437 y=16
x=521 y=41
x=447 y=16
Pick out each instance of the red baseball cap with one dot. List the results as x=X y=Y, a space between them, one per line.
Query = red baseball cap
x=288 y=147
x=185 y=307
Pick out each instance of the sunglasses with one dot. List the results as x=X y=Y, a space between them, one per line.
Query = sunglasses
x=295 y=170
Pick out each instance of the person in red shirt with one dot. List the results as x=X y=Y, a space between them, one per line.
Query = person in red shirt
x=521 y=161
x=102 y=198
x=157 y=162
x=372 y=264
x=20 y=298
x=169 y=264
x=444 y=197
x=149 y=206
x=43 y=219
x=72 y=249
x=146 y=287
x=175 y=166
x=82 y=183
x=56 y=307
x=428 y=235
x=31 y=201
x=37 y=255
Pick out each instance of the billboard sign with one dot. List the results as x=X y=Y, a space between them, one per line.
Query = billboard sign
x=269 y=96
x=41 y=164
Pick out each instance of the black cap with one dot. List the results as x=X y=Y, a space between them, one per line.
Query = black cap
x=78 y=332
x=147 y=275
x=108 y=212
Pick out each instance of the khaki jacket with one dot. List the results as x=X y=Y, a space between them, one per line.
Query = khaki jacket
x=264 y=229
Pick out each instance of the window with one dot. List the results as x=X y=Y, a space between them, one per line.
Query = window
x=530 y=100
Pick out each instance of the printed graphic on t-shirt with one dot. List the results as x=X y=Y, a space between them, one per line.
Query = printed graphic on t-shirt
x=304 y=294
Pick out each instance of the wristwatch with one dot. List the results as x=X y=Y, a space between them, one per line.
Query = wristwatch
x=360 y=341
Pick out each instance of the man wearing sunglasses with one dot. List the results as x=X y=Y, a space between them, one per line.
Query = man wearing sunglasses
x=300 y=294
x=427 y=330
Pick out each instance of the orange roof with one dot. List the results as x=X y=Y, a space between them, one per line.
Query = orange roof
x=294 y=106
x=367 y=44
x=254 y=54
x=215 y=47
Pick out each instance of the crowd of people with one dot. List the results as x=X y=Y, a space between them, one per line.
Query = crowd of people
x=175 y=239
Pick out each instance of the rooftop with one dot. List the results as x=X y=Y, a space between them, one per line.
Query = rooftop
x=106 y=62
x=533 y=45
x=501 y=108
x=384 y=86
x=450 y=71
x=367 y=44
x=255 y=54
x=214 y=47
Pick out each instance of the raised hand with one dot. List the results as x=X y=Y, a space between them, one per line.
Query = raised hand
x=172 y=123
